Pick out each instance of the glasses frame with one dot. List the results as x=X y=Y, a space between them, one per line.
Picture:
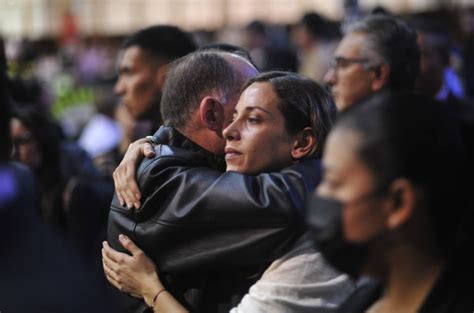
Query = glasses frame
x=342 y=62
x=22 y=140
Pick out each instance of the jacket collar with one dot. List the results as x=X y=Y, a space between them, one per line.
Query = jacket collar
x=168 y=135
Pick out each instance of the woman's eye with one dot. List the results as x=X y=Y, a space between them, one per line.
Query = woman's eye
x=253 y=120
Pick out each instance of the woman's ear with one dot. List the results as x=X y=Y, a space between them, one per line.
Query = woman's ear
x=305 y=144
x=403 y=201
x=211 y=112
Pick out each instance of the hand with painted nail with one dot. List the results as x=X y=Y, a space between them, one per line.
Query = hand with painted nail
x=136 y=274
x=125 y=182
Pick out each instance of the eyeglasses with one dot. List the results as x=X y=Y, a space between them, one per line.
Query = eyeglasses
x=22 y=139
x=342 y=62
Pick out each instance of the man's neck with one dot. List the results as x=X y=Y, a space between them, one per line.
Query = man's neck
x=206 y=139
x=175 y=137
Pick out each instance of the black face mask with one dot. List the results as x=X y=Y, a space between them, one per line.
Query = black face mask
x=324 y=219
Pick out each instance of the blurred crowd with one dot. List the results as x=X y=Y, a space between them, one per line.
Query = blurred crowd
x=76 y=106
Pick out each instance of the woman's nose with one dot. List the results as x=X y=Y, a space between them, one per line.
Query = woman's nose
x=231 y=132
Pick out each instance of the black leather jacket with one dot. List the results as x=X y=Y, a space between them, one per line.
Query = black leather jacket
x=195 y=219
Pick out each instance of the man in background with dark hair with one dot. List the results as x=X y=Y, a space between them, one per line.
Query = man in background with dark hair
x=142 y=68
x=376 y=53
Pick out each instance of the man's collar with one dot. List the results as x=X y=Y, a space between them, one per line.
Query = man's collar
x=168 y=135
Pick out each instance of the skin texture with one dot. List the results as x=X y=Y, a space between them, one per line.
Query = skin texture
x=257 y=140
x=352 y=82
x=28 y=152
x=138 y=84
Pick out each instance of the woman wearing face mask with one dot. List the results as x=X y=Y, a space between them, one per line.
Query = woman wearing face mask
x=390 y=206
x=276 y=123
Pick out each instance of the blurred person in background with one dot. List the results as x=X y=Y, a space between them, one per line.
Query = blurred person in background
x=467 y=26
x=142 y=67
x=315 y=39
x=268 y=46
x=392 y=205
x=64 y=174
x=379 y=52
x=102 y=134
x=40 y=271
x=437 y=77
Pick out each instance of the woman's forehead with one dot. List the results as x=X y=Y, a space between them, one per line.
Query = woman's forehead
x=261 y=93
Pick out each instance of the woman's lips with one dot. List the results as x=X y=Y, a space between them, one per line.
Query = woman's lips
x=231 y=153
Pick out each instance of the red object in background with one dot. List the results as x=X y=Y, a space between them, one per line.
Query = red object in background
x=68 y=31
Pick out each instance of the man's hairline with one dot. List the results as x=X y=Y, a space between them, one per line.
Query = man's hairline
x=157 y=59
x=365 y=48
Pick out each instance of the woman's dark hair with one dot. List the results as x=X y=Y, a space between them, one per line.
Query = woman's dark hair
x=48 y=137
x=5 y=144
x=303 y=103
x=44 y=130
x=410 y=136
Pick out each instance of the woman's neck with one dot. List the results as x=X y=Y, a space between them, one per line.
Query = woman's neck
x=411 y=277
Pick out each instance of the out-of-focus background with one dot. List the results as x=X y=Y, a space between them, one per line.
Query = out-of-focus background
x=70 y=46
x=61 y=58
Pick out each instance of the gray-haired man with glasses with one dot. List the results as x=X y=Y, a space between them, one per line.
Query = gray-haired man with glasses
x=377 y=52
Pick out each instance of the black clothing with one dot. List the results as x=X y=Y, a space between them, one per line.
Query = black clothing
x=39 y=271
x=452 y=293
x=203 y=227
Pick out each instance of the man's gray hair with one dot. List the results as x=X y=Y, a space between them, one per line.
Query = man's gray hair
x=391 y=41
x=193 y=77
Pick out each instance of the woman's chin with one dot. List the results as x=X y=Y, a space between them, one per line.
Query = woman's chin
x=241 y=169
x=233 y=167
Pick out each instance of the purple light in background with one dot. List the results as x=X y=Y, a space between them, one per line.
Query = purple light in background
x=8 y=186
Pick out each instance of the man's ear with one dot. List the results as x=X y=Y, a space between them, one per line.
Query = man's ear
x=304 y=144
x=211 y=113
x=381 y=72
x=161 y=76
x=403 y=200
